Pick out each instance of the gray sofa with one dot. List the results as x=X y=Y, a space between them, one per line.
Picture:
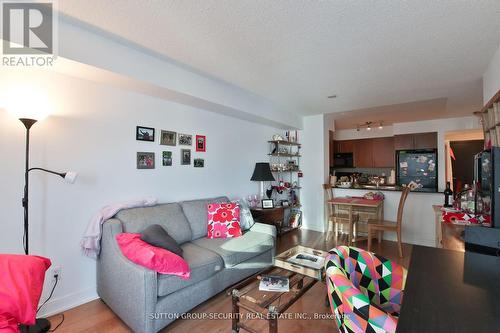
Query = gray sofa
x=147 y=301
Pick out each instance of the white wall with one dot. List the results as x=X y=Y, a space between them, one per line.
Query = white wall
x=315 y=163
x=93 y=133
x=491 y=78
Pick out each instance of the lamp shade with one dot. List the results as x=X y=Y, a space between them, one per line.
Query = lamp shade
x=262 y=172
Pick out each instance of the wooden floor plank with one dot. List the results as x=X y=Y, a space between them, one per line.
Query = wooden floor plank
x=96 y=317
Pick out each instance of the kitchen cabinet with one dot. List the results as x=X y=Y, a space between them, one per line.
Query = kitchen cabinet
x=383 y=152
x=426 y=140
x=345 y=146
x=404 y=141
x=416 y=141
x=363 y=153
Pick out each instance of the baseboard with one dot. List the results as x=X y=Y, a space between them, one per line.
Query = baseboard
x=67 y=302
x=313 y=228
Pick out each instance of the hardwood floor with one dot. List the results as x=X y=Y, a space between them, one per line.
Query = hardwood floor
x=96 y=317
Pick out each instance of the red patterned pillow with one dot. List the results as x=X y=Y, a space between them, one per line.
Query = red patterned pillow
x=223 y=220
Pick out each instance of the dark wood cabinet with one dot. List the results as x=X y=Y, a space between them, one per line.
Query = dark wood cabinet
x=404 y=141
x=344 y=146
x=426 y=140
x=363 y=153
x=383 y=152
x=416 y=141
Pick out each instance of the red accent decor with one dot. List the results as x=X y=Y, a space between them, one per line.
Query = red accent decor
x=21 y=284
x=223 y=220
x=152 y=257
x=466 y=218
x=201 y=143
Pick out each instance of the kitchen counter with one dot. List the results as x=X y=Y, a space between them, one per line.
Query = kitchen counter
x=418 y=225
x=382 y=188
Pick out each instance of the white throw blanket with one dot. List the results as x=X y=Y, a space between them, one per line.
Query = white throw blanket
x=91 y=242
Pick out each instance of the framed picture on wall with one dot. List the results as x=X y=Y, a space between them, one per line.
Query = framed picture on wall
x=185 y=156
x=201 y=141
x=145 y=160
x=168 y=138
x=185 y=139
x=145 y=134
x=199 y=163
x=167 y=158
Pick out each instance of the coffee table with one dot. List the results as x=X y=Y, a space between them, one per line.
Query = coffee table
x=269 y=305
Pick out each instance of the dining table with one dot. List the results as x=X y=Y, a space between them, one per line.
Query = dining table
x=364 y=207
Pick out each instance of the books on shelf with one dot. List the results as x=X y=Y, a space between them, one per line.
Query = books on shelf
x=308 y=260
x=274 y=283
x=294 y=219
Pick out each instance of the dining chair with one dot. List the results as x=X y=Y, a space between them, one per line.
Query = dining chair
x=379 y=226
x=336 y=215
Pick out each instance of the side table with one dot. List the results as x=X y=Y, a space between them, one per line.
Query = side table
x=273 y=216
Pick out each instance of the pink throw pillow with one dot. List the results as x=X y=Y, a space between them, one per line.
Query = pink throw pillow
x=152 y=257
x=223 y=220
x=21 y=283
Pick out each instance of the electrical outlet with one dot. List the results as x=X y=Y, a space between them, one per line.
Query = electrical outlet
x=57 y=270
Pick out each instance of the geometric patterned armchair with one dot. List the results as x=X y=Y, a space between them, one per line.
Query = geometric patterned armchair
x=365 y=290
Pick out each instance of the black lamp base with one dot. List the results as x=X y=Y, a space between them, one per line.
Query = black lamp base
x=42 y=325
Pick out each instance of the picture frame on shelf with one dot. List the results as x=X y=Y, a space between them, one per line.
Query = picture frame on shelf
x=185 y=139
x=201 y=143
x=167 y=158
x=267 y=203
x=145 y=160
x=185 y=156
x=168 y=138
x=199 y=163
x=145 y=134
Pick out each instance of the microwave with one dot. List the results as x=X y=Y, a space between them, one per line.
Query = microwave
x=343 y=160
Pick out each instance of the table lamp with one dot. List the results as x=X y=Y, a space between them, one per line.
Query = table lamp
x=262 y=173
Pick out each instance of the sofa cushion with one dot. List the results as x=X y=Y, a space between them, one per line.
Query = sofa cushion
x=157 y=236
x=169 y=216
x=152 y=257
x=238 y=250
x=203 y=264
x=223 y=220
x=196 y=214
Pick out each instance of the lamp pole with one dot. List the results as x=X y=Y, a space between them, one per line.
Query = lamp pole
x=27 y=123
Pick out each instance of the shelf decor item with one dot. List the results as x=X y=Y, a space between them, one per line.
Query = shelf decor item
x=145 y=134
x=267 y=203
x=262 y=173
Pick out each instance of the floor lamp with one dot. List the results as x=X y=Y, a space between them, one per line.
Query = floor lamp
x=42 y=325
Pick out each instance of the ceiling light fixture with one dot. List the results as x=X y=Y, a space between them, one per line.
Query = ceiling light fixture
x=332 y=96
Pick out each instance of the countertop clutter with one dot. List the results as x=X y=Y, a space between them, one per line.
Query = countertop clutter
x=383 y=188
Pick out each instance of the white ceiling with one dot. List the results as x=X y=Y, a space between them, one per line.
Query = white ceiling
x=297 y=52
